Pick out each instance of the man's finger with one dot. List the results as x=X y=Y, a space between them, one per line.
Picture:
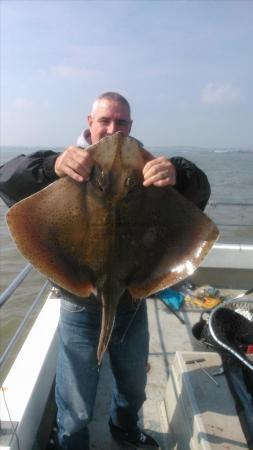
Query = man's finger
x=154 y=163
x=159 y=179
x=75 y=163
x=74 y=175
x=81 y=167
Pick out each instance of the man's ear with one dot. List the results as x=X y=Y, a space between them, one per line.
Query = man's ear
x=90 y=120
x=87 y=136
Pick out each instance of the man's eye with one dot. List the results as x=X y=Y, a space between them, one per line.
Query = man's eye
x=104 y=121
x=122 y=123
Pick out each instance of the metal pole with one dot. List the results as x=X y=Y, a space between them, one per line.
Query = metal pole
x=22 y=324
x=15 y=283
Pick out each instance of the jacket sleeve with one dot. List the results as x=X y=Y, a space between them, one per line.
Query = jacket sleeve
x=25 y=175
x=191 y=182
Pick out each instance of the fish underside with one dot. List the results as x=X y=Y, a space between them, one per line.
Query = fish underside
x=111 y=234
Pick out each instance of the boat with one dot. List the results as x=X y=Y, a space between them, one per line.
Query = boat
x=185 y=408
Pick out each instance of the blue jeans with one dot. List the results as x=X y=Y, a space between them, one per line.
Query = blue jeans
x=78 y=371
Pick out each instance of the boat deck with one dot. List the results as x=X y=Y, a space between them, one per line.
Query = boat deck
x=178 y=394
x=167 y=336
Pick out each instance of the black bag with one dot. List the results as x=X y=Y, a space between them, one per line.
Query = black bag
x=228 y=329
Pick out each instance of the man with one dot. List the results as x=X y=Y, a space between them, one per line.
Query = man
x=79 y=326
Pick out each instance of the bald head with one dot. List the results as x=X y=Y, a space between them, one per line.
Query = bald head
x=110 y=113
x=112 y=97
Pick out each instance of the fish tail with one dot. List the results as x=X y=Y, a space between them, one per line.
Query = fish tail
x=109 y=309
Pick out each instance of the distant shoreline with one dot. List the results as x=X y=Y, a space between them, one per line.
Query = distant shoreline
x=154 y=147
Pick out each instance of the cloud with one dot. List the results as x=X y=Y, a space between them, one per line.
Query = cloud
x=27 y=105
x=22 y=104
x=214 y=93
x=69 y=71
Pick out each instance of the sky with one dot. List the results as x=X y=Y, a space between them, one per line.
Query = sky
x=186 y=68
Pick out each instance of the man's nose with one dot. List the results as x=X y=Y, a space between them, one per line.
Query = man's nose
x=112 y=127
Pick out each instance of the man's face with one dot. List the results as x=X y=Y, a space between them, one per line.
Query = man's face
x=108 y=117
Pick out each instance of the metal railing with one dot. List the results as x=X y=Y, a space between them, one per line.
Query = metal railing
x=6 y=294
x=14 y=284
x=218 y=203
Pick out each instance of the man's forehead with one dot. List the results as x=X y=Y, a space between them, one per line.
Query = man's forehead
x=107 y=106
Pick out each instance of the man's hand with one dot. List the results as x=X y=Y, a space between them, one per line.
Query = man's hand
x=159 y=172
x=74 y=162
